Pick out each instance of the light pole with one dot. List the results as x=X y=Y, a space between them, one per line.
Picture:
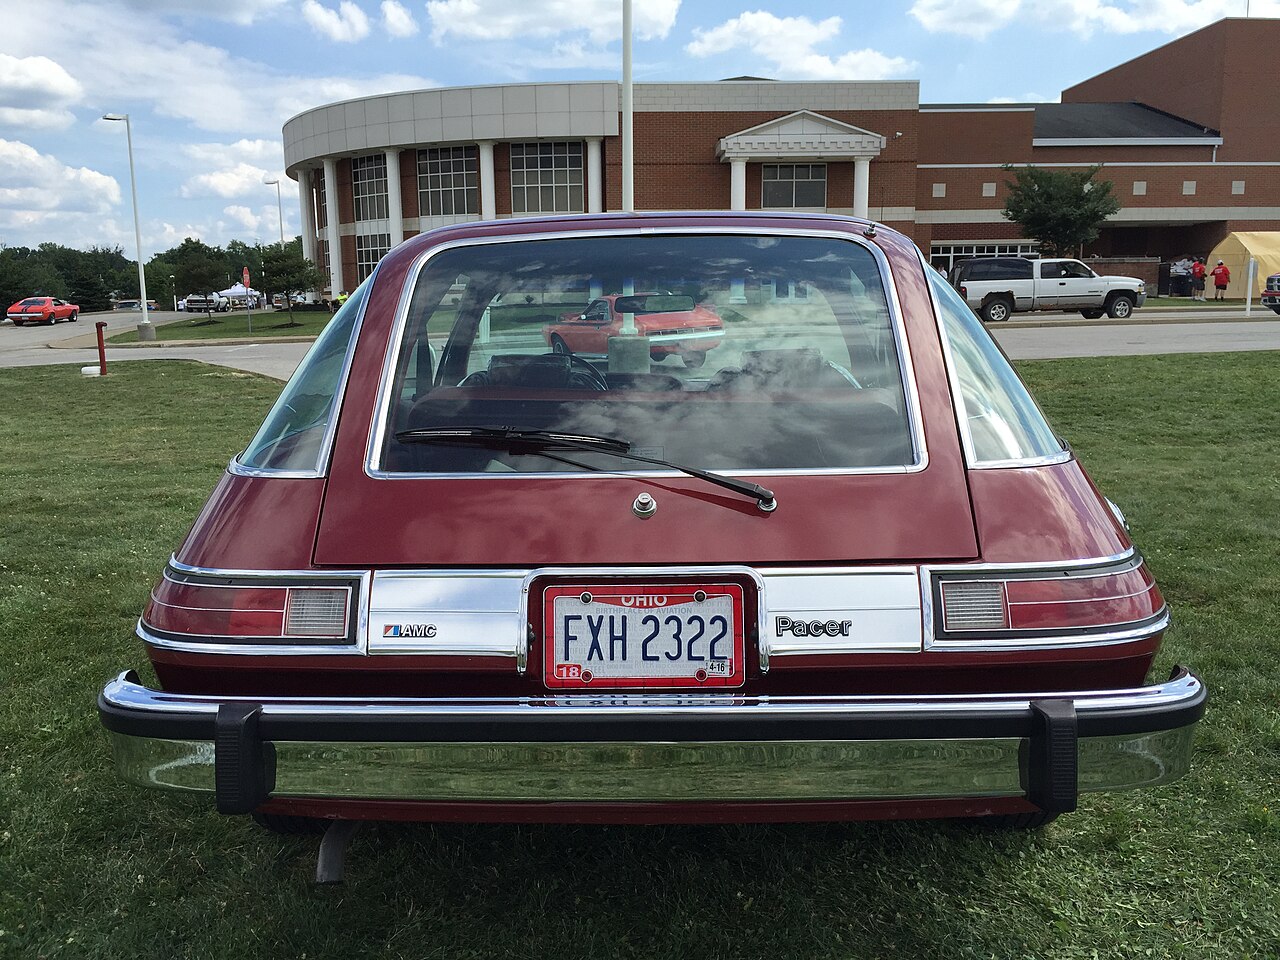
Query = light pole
x=279 y=209
x=174 y=287
x=145 y=330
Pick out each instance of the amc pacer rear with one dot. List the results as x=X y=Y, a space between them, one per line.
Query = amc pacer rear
x=838 y=568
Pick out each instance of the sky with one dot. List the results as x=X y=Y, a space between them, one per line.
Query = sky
x=208 y=85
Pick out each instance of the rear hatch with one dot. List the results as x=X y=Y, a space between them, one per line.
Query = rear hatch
x=828 y=389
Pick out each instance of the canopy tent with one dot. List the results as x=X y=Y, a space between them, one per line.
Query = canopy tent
x=239 y=290
x=1235 y=251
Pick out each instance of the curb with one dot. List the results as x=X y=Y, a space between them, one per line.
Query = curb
x=1132 y=320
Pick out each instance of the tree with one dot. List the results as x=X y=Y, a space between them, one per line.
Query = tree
x=287 y=271
x=1061 y=209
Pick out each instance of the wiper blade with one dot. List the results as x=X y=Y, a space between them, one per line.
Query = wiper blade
x=540 y=441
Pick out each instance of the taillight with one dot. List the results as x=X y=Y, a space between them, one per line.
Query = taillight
x=964 y=292
x=1012 y=605
x=277 y=610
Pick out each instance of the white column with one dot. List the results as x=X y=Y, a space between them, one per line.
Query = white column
x=488 y=202
x=395 y=209
x=332 y=206
x=737 y=184
x=861 y=185
x=307 y=205
x=594 y=174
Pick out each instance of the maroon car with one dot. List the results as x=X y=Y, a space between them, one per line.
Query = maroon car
x=844 y=570
x=671 y=325
x=42 y=310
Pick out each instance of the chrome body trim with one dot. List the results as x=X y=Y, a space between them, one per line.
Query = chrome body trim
x=1065 y=642
x=236 y=468
x=570 y=767
x=915 y=421
x=677 y=337
x=957 y=398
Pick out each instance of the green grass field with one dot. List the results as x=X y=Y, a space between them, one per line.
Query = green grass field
x=266 y=324
x=101 y=478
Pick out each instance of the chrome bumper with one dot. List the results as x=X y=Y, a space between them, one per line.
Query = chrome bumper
x=637 y=748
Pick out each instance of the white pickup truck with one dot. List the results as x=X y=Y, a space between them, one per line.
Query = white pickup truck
x=996 y=287
x=206 y=303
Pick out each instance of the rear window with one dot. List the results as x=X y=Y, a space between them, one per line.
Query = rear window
x=34 y=301
x=725 y=352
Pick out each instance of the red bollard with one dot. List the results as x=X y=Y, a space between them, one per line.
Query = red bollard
x=102 y=349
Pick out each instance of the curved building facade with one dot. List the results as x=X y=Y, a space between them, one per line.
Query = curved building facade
x=374 y=171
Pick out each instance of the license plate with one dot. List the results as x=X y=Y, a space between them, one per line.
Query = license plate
x=643 y=636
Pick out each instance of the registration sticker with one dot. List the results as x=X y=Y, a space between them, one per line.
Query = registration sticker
x=643 y=636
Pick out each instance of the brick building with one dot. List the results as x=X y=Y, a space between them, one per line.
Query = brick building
x=1191 y=162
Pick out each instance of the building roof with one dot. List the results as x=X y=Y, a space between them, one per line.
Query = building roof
x=1060 y=121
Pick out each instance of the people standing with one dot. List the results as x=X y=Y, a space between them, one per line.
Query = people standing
x=1197 y=279
x=1221 y=277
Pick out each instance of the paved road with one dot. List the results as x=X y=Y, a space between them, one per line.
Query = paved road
x=27 y=346
x=1044 y=343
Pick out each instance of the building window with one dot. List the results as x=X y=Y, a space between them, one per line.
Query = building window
x=546 y=177
x=1237 y=188
x=369 y=187
x=322 y=207
x=447 y=181
x=939 y=189
x=1139 y=188
x=794 y=185
x=988 y=189
x=945 y=255
x=369 y=250
x=1188 y=188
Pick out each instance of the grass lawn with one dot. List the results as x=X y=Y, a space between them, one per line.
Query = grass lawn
x=1186 y=303
x=101 y=478
x=266 y=323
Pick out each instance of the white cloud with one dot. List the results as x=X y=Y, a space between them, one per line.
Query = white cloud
x=236 y=11
x=971 y=18
x=35 y=82
x=263 y=153
x=39 y=119
x=980 y=18
x=243 y=217
x=235 y=181
x=397 y=20
x=506 y=20
x=347 y=24
x=37 y=187
x=788 y=42
x=35 y=93
x=177 y=77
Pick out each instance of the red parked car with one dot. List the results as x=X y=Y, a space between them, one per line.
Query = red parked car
x=845 y=570
x=42 y=310
x=671 y=324
x=1271 y=293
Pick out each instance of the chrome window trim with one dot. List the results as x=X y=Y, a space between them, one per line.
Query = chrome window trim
x=957 y=398
x=915 y=420
x=273 y=649
x=238 y=469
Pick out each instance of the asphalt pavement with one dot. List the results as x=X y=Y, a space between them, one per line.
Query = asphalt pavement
x=1030 y=337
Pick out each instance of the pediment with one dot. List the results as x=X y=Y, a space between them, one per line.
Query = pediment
x=800 y=135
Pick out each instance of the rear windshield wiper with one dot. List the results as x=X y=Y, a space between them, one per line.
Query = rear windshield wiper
x=541 y=441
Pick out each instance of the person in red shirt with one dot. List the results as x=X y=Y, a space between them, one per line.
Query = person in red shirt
x=1197 y=279
x=1221 y=277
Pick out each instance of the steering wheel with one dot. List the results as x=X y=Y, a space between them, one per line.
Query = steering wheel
x=589 y=373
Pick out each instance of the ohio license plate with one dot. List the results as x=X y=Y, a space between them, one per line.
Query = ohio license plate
x=643 y=635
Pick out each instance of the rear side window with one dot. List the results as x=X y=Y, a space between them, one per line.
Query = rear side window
x=1001 y=420
x=725 y=352
x=292 y=436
